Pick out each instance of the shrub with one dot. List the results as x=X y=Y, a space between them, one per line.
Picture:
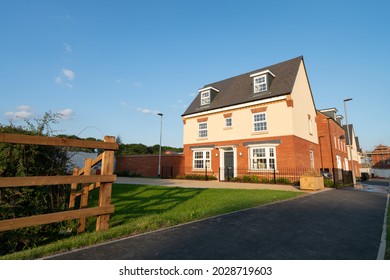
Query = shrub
x=236 y=180
x=328 y=183
x=283 y=181
x=31 y=160
x=265 y=180
x=246 y=179
x=199 y=177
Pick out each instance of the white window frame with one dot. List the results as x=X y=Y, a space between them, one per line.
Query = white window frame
x=228 y=122
x=260 y=122
x=205 y=98
x=202 y=130
x=311 y=154
x=264 y=159
x=260 y=84
x=310 y=126
x=201 y=159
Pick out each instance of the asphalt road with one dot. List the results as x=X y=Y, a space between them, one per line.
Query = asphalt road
x=337 y=224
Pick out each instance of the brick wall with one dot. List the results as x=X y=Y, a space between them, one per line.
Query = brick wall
x=327 y=137
x=147 y=165
x=292 y=152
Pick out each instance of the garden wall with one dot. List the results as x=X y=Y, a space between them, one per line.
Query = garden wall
x=147 y=165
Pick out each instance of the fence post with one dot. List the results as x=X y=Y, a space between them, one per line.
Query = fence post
x=274 y=175
x=84 y=195
x=73 y=190
x=102 y=222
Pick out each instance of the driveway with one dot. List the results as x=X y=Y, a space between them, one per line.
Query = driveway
x=337 y=224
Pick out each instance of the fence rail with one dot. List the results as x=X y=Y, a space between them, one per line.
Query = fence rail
x=83 y=176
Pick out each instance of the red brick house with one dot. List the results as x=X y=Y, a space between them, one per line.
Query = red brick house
x=332 y=140
x=381 y=157
x=259 y=121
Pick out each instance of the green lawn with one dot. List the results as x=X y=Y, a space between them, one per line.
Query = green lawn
x=387 y=253
x=140 y=209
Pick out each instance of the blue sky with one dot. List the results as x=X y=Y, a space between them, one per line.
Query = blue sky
x=110 y=66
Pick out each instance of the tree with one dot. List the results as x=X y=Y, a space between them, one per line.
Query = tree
x=31 y=160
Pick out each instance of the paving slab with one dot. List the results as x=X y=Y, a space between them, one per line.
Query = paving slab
x=204 y=184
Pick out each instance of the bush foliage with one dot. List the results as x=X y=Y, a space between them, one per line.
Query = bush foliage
x=31 y=160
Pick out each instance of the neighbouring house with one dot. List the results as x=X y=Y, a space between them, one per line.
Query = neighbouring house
x=380 y=158
x=261 y=121
x=332 y=143
x=353 y=146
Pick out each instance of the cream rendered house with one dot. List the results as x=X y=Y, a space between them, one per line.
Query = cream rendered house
x=261 y=121
x=354 y=149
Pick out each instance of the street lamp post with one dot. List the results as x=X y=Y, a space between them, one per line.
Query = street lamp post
x=350 y=141
x=159 y=153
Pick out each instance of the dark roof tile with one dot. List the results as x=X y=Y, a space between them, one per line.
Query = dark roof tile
x=239 y=89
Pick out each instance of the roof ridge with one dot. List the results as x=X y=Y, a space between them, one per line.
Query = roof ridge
x=253 y=71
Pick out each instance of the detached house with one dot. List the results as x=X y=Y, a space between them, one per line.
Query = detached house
x=260 y=121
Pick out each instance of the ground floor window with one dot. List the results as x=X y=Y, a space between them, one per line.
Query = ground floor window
x=262 y=158
x=201 y=159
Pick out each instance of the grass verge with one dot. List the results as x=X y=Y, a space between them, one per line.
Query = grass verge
x=140 y=209
x=387 y=253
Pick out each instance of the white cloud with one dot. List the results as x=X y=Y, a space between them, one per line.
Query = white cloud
x=67 y=48
x=147 y=111
x=22 y=112
x=66 y=114
x=69 y=85
x=58 y=80
x=69 y=74
x=137 y=85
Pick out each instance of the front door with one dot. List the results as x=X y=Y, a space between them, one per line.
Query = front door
x=229 y=165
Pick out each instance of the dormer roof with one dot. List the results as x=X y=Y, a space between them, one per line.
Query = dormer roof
x=239 y=89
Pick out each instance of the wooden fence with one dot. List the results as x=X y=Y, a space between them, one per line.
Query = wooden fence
x=83 y=176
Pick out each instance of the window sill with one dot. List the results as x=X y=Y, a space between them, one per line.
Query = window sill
x=201 y=170
x=228 y=128
x=260 y=132
x=201 y=139
x=262 y=170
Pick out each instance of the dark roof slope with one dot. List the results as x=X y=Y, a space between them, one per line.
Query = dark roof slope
x=351 y=130
x=239 y=89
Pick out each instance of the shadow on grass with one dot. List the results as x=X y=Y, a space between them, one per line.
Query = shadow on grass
x=134 y=201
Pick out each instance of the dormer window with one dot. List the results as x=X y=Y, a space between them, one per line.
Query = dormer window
x=207 y=95
x=260 y=84
x=205 y=98
x=262 y=81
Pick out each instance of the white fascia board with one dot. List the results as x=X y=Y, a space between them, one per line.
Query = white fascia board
x=208 y=88
x=262 y=73
x=258 y=102
x=328 y=110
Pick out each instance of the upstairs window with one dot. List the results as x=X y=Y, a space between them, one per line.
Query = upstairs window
x=228 y=122
x=205 y=98
x=262 y=80
x=202 y=132
x=260 y=84
x=259 y=122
